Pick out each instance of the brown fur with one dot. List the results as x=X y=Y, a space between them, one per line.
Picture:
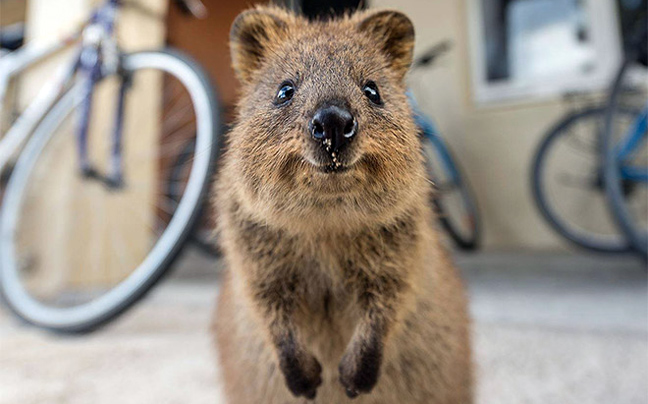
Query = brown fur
x=336 y=284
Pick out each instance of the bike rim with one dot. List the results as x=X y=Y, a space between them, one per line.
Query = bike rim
x=15 y=291
x=454 y=205
x=628 y=196
x=568 y=184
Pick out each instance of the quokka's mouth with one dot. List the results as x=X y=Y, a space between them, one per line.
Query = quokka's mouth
x=333 y=168
x=328 y=168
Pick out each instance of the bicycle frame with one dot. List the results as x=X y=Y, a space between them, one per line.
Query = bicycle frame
x=11 y=65
x=428 y=129
x=97 y=57
x=633 y=139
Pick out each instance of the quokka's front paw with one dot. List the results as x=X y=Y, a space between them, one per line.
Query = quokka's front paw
x=359 y=370
x=303 y=373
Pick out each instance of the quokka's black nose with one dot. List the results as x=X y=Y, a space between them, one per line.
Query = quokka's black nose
x=334 y=126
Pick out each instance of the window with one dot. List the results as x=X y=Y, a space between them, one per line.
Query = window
x=529 y=49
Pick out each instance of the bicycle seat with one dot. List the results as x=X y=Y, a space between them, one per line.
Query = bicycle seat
x=12 y=37
x=431 y=55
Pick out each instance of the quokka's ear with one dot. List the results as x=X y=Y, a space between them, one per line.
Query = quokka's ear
x=253 y=31
x=395 y=35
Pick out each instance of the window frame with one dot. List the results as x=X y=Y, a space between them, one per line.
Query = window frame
x=606 y=39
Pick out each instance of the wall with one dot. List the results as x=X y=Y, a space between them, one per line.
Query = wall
x=11 y=12
x=207 y=40
x=86 y=233
x=495 y=144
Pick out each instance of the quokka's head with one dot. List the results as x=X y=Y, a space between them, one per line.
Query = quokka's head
x=323 y=111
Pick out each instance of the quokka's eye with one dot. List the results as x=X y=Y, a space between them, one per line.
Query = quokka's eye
x=370 y=90
x=285 y=93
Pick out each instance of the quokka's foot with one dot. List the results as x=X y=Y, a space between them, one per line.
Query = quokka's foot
x=359 y=370
x=303 y=374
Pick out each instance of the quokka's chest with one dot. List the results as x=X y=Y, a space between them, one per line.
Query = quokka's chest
x=328 y=314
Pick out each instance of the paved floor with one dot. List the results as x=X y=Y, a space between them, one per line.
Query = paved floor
x=548 y=329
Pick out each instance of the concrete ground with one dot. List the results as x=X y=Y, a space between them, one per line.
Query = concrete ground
x=548 y=329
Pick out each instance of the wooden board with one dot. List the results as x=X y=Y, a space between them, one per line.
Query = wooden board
x=75 y=231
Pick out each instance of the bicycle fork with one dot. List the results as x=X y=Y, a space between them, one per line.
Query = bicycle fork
x=115 y=176
x=91 y=75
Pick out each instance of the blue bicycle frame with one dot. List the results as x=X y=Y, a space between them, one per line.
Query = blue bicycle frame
x=635 y=136
x=429 y=130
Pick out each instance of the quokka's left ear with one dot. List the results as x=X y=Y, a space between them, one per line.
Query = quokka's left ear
x=395 y=34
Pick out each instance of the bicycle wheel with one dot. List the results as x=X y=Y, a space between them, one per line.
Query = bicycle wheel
x=625 y=155
x=567 y=181
x=452 y=196
x=75 y=252
x=202 y=235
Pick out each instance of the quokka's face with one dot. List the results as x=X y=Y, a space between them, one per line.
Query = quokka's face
x=324 y=103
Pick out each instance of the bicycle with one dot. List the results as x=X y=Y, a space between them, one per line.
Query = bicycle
x=452 y=197
x=625 y=150
x=582 y=180
x=567 y=179
x=49 y=274
x=202 y=236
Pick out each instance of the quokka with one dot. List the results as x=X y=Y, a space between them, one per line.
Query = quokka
x=337 y=288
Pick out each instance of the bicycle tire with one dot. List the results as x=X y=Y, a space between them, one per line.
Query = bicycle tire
x=92 y=315
x=542 y=200
x=471 y=239
x=637 y=236
x=203 y=239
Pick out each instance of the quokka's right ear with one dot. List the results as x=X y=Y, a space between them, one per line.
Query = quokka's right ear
x=252 y=33
x=394 y=33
